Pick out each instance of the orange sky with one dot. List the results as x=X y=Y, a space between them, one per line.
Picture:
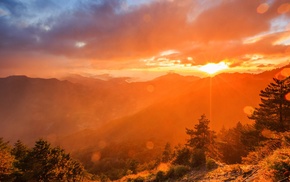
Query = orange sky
x=142 y=39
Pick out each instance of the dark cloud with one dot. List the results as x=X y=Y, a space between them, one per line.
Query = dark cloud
x=16 y=38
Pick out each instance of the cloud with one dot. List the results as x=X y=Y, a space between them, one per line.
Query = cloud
x=110 y=34
x=15 y=8
x=231 y=20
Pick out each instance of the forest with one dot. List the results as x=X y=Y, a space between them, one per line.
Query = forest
x=267 y=139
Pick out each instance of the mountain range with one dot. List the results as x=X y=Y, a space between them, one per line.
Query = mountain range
x=78 y=112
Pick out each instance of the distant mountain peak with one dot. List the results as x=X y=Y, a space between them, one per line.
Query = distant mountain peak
x=17 y=76
x=175 y=77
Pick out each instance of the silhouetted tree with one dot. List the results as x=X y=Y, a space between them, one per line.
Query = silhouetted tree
x=201 y=137
x=4 y=145
x=20 y=152
x=167 y=153
x=230 y=144
x=199 y=143
x=251 y=137
x=46 y=163
x=41 y=163
x=274 y=111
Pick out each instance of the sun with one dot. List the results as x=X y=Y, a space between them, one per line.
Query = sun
x=212 y=68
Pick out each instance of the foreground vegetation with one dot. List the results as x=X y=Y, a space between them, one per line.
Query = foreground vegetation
x=40 y=163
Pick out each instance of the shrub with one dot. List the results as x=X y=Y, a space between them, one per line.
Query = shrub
x=266 y=149
x=160 y=176
x=251 y=158
x=279 y=163
x=177 y=171
x=139 y=179
x=182 y=156
x=198 y=158
x=211 y=164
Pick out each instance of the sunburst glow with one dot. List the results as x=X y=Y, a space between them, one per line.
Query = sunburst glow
x=212 y=68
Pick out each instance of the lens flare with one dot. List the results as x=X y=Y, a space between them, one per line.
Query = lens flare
x=96 y=156
x=262 y=8
x=150 y=88
x=248 y=110
x=283 y=8
x=285 y=72
x=149 y=145
x=281 y=75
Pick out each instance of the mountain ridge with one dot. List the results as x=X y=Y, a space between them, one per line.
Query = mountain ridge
x=53 y=107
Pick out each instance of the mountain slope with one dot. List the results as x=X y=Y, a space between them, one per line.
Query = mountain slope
x=225 y=99
x=33 y=107
x=222 y=98
x=118 y=110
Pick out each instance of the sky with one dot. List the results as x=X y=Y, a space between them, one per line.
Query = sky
x=142 y=39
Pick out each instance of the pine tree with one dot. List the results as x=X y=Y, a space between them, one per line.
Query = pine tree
x=46 y=163
x=274 y=111
x=19 y=150
x=167 y=153
x=201 y=142
x=201 y=136
x=230 y=144
x=4 y=145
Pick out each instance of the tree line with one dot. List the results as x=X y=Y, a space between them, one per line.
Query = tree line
x=40 y=163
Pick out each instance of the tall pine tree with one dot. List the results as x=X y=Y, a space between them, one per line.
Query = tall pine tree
x=201 y=141
x=201 y=136
x=274 y=111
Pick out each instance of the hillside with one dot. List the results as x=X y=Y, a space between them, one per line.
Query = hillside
x=180 y=108
x=269 y=162
x=33 y=107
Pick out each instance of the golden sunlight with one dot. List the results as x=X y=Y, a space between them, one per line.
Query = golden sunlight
x=212 y=68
